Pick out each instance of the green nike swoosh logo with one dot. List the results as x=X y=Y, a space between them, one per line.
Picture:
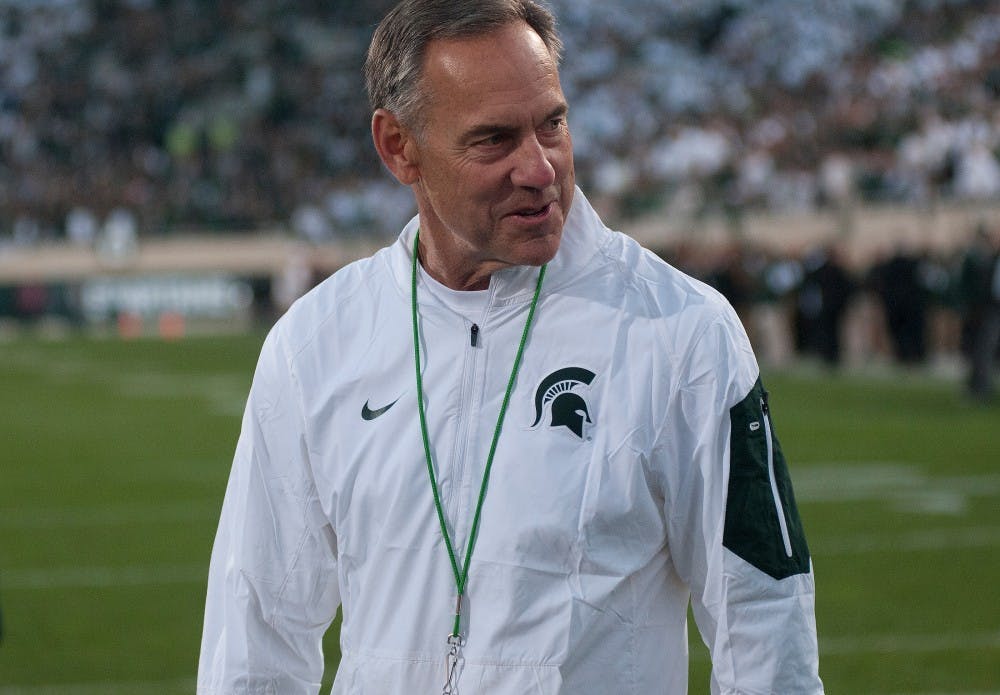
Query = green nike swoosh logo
x=369 y=414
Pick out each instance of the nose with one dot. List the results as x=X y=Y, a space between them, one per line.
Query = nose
x=532 y=166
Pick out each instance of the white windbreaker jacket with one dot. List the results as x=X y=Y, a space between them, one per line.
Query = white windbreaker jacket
x=637 y=470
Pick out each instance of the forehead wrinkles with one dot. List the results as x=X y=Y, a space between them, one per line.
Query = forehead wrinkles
x=502 y=67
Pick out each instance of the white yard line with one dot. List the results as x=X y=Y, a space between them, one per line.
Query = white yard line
x=224 y=393
x=913 y=541
x=853 y=481
x=904 y=487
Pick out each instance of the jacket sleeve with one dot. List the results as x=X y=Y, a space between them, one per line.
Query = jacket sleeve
x=734 y=532
x=272 y=587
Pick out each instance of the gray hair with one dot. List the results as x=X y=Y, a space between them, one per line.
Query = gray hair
x=394 y=64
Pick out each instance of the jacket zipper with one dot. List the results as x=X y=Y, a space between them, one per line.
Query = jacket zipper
x=778 y=506
x=470 y=399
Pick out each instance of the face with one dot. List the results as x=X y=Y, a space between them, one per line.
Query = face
x=493 y=161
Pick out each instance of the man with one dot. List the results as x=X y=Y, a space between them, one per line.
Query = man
x=513 y=446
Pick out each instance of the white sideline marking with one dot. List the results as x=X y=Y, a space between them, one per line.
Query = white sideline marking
x=852 y=481
x=102 y=577
x=112 y=688
x=224 y=394
x=903 y=486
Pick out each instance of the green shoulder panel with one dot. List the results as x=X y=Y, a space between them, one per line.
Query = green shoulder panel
x=762 y=522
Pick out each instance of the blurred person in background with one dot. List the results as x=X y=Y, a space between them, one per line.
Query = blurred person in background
x=822 y=301
x=979 y=301
x=635 y=470
x=899 y=283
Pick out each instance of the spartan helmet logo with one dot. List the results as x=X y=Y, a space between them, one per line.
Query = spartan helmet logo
x=568 y=408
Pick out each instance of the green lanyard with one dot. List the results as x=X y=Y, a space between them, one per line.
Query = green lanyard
x=462 y=575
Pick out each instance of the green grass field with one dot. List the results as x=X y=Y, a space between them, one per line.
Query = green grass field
x=115 y=457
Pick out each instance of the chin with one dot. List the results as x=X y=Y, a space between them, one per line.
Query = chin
x=541 y=250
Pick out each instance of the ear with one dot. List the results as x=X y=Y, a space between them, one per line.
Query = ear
x=396 y=146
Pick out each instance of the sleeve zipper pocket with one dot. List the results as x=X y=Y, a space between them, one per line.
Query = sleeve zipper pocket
x=778 y=506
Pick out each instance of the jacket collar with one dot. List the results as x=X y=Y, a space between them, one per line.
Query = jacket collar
x=584 y=235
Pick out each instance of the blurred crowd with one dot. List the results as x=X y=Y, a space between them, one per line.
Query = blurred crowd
x=911 y=306
x=121 y=119
x=180 y=114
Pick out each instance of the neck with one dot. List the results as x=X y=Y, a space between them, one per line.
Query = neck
x=463 y=282
x=459 y=275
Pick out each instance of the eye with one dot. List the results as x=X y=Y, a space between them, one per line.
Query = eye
x=554 y=125
x=492 y=140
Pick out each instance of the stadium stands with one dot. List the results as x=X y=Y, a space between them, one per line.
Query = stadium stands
x=127 y=123
x=237 y=115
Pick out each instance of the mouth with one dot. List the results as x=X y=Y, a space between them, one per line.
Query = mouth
x=537 y=213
